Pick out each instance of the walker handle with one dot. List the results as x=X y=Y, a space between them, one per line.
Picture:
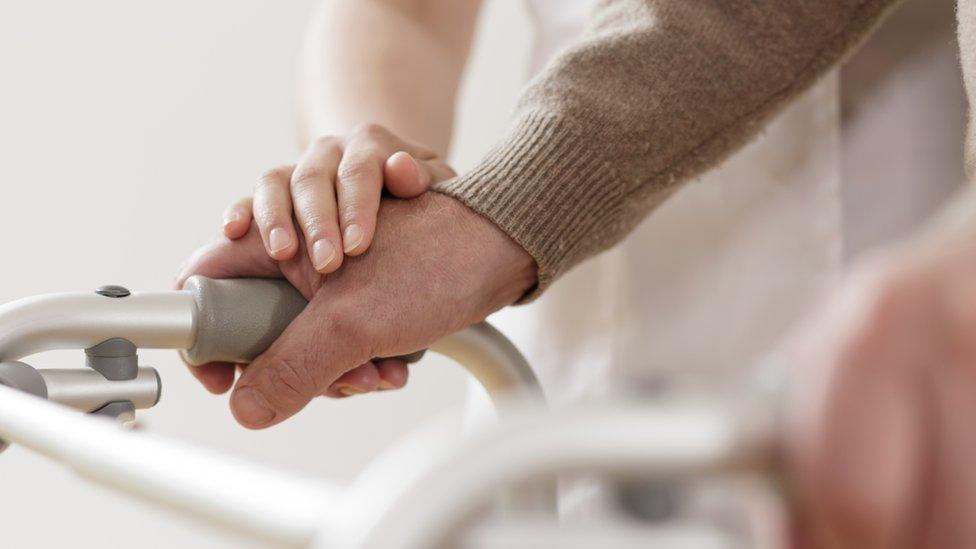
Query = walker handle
x=237 y=319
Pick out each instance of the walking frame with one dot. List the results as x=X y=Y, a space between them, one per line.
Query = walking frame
x=420 y=493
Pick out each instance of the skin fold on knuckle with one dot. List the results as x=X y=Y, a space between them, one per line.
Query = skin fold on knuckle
x=308 y=179
x=356 y=210
x=314 y=225
x=326 y=142
x=285 y=384
x=359 y=170
x=265 y=207
x=360 y=183
x=354 y=331
x=372 y=130
x=275 y=175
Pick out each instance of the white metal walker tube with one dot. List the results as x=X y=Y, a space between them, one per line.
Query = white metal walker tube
x=242 y=497
x=245 y=498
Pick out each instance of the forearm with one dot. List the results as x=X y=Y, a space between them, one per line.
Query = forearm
x=393 y=62
x=655 y=93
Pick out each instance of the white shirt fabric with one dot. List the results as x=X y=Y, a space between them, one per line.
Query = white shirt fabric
x=715 y=276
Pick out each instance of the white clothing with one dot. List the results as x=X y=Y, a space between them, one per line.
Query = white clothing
x=715 y=276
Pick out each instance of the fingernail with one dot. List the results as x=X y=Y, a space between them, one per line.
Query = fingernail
x=278 y=240
x=231 y=217
x=352 y=238
x=422 y=174
x=323 y=252
x=250 y=407
x=386 y=385
x=348 y=391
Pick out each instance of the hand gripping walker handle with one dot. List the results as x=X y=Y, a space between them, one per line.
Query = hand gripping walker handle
x=211 y=320
x=214 y=320
x=238 y=319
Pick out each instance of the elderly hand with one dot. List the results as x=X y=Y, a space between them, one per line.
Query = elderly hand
x=435 y=267
x=883 y=400
x=334 y=194
x=336 y=185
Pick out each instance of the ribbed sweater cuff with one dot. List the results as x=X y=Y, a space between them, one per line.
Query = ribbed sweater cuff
x=547 y=190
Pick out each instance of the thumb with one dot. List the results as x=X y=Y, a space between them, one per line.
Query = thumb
x=406 y=177
x=299 y=366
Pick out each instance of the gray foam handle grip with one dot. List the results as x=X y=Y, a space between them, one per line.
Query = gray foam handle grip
x=237 y=319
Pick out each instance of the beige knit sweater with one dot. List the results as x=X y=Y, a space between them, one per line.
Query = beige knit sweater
x=656 y=92
x=967 y=50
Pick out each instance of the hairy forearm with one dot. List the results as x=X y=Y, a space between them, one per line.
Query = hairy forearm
x=392 y=62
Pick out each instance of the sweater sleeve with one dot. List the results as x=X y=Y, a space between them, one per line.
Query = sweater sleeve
x=654 y=93
x=966 y=11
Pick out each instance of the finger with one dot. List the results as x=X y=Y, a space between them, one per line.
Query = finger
x=358 y=189
x=393 y=373
x=216 y=377
x=403 y=176
x=237 y=218
x=332 y=393
x=857 y=412
x=299 y=366
x=314 y=196
x=361 y=379
x=273 y=213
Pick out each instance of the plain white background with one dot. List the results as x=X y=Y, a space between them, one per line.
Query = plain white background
x=125 y=129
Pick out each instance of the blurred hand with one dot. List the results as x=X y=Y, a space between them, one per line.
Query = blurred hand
x=334 y=194
x=883 y=400
x=435 y=267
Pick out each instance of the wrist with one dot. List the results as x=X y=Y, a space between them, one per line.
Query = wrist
x=505 y=270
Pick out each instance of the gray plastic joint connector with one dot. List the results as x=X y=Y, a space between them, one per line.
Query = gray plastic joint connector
x=116 y=359
x=22 y=377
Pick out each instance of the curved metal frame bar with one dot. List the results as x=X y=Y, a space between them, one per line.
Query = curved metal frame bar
x=669 y=441
x=244 y=497
x=150 y=320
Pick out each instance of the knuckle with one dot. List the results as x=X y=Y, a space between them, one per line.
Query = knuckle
x=314 y=226
x=270 y=217
x=275 y=175
x=268 y=212
x=371 y=130
x=307 y=177
x=349 y=325
x=289 y=381
x=325 y=141
x=357 y=169
x=353 y=212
